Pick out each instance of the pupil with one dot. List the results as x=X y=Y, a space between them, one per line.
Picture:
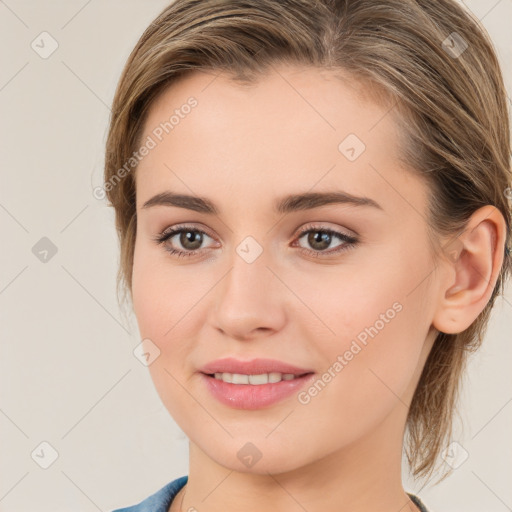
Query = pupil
x=319 y=236
x=188 y=237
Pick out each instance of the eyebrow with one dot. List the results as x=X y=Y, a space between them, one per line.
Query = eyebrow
x=291 y=203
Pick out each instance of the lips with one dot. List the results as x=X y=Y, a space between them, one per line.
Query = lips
x=253 y=367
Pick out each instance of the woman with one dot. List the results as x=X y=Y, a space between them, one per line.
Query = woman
x=311 y=201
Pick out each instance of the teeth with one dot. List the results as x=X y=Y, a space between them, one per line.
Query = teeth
x=264 y=378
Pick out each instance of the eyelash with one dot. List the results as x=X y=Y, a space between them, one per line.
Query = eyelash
x=349 y=241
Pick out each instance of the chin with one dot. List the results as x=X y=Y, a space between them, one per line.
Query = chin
x=259 y=456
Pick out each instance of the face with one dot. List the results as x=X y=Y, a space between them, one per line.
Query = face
x=342 y=290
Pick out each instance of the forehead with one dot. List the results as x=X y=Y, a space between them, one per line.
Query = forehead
x=291 y=130
x=304 y=99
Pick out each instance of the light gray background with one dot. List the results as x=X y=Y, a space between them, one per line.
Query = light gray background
x=68 y=373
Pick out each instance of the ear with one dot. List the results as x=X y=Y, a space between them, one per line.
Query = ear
x=471 y=264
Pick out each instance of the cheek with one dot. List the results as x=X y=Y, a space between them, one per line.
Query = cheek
x=383 y=298
x=378 y=301
x=163 y=300
x=380 y=322
x=169 y=304
x=162 y=292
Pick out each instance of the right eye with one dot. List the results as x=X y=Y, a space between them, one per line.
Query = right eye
x=189 y=238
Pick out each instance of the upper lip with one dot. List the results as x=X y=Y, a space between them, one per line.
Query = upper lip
x=252 y=367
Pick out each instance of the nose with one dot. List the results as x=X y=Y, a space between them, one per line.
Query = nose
x=250 y=301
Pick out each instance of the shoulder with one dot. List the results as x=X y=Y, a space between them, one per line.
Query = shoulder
x=158 y=501
x=419 y=503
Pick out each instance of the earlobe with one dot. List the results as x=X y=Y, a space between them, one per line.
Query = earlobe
x=471 y=265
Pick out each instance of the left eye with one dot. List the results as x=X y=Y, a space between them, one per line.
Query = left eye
x=321 y=238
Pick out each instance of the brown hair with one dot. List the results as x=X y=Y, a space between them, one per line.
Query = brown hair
x=453 y=114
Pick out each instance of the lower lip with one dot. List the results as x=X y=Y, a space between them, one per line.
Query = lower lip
x=249 y=396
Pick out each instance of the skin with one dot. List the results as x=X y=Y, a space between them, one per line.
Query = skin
x=242 y=148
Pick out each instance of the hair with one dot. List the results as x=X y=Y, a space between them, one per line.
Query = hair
x=453 y=118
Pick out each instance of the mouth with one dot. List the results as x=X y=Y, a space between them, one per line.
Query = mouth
x=258 y=390
x=253 y=384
